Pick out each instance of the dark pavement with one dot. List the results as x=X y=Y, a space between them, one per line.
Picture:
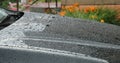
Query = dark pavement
x=93 y=39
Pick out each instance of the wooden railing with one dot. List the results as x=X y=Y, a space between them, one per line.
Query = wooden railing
x=92 y=2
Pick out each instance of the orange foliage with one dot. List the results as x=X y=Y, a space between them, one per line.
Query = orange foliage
x=86 y=10
x=76 y=5
x=63 y=7
x=62 y=13
x=90 y=9
x=29 y=0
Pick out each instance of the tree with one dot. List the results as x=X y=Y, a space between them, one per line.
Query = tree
x=4 y=3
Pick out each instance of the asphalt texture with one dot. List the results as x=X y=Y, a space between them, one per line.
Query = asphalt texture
x=91 y=38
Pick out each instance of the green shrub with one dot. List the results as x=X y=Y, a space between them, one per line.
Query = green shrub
x=100 y=14
x=4 y=3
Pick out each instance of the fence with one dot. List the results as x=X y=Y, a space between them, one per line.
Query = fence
x=92 y=2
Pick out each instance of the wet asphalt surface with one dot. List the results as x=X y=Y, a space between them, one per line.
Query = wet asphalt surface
x=91 y=38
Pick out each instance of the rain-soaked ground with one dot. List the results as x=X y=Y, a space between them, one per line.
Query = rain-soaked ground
x=36 y=31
